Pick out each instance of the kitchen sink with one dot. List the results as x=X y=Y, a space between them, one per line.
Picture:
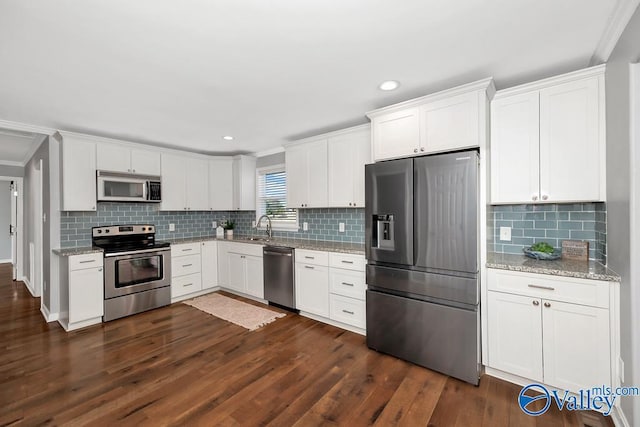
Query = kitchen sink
x=259 y=239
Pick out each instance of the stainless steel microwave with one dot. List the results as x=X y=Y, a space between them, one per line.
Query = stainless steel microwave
x=123 y=187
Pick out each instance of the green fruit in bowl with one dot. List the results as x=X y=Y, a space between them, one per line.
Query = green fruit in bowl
x=542 y=247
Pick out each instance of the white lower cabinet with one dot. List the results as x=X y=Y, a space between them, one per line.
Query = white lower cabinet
x=312 y=289
x=81 y=290
x=332 y=285
x=209 y=262
x=241 y=268
x=549 y=335
x=186 y=272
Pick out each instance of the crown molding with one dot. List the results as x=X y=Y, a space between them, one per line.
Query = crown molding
x=620 y=17
x=25 y=127
x=269 y=152
x=10 y=163
x=364 y=127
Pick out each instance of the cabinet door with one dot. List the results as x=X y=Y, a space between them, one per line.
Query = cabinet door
x=296 y=167
x=78 y=175
x=515 y=160
x=113 y=157
x=255 y=276
x=571 y=142
x=223 y=263
x=209 y=263
x=347 y=155
x=244 y=183
x=197 y=185
x=185 y=285
x=515 y=334
x=86 y=294
x=396 y=134
x=237 y=274
x=220 y=187
x=145 y=162
x=361 y=151
x=340 y=174
x=316 y=174
x=576 y=345
x=173 y=183
x=450 y=124
x=312 y=289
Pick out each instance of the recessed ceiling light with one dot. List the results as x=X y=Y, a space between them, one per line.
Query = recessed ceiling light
x=227 y=138
x=389 y=85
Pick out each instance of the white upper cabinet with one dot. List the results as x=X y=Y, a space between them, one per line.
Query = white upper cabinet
x=220 y=190
x=120 y=158
x=78 y=173
x=515 y=148
x=444 y=121
x=348 y=153
x=306 y=166
x=185 y=183
x=244 y=183
x=173 y=182
x=396 y=134
x=548 y=140
x=452 y=123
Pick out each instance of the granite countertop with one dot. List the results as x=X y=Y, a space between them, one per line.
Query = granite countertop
x=77 y=251
x=316 y=245
x=569 y=268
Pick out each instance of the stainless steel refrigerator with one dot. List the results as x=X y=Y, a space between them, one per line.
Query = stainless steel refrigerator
x=422 y=261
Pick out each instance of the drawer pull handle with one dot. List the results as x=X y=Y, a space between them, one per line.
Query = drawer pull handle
x=347 y=284
x=546 y=304
x=188 y=284
x=309 y=257
x=548 y=288
x=87 y=261
x=309 y=267
x=347 y=262
x=536 y=303
x=348 y=312
x=187 y=265
x=187 y=250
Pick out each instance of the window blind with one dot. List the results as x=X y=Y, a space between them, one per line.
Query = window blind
x=272 y=198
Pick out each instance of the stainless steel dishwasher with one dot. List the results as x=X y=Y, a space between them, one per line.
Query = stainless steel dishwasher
x=279 y=277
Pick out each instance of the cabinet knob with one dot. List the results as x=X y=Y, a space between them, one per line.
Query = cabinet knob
x=536 y=302
x=100 y=269
x=415 y=150
x=547 y=304
x=349 y=203
x=134 y=171
x=421 y=148
x=93 y=207
x=128 y=170
x=534 y=198
x=354 y=203
x=545 y=197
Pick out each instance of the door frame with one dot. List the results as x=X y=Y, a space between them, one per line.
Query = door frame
x=17 y=257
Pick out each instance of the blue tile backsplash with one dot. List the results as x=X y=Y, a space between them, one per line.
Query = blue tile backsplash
x=550 y=223
x=323 y=223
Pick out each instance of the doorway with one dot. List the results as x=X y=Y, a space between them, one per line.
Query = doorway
x=11 y=241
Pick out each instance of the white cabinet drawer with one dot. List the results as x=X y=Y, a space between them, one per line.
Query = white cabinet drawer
x=185 y=249
x=185 y=285
x=577 y=291
x=184 y=265
x=312 y=257
x=251 y=249
x=347 y=310
x=347 y=283
x=80 y=262
x=348 y=261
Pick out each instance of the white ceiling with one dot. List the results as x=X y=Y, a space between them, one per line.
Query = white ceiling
x=185 y=73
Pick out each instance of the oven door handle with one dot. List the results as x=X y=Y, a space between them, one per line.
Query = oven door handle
x=136 y=252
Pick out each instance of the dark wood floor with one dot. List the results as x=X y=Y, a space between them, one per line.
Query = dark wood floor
x=180 y=366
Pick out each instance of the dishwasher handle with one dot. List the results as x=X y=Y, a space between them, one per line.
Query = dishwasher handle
x=276 y=253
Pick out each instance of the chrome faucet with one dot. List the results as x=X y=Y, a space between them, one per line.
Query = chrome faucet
x=268 y=224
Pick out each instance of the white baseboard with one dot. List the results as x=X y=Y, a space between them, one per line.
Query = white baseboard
x=28 y=285
x=49 y=317
x=618 y=418
x=340 y=325
x=194 y=294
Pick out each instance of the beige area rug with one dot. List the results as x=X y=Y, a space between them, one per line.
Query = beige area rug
x=238 y=312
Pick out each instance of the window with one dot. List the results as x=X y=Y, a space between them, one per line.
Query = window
x=272 y=199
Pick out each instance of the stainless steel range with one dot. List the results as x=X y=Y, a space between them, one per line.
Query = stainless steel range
x=137 y=269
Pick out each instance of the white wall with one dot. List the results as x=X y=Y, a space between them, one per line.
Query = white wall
x=15 y=171
x=627 y=51
x=5 y=220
